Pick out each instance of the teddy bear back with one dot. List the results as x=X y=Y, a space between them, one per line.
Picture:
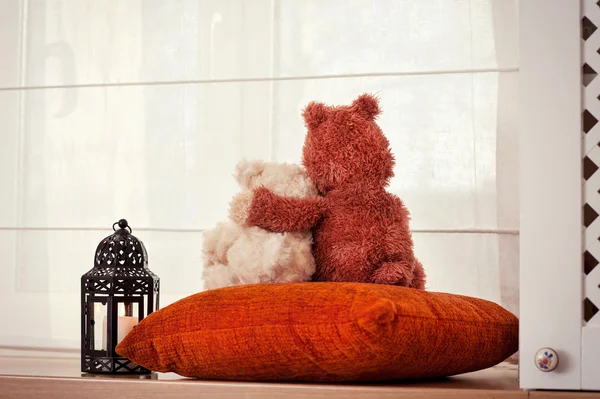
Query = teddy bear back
x=344 y=146
x=285 y=179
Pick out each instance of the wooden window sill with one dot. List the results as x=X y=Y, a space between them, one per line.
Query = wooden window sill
x=27 y=375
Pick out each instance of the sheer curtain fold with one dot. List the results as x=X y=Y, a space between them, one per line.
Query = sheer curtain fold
x=101 y=119
x=505 y=22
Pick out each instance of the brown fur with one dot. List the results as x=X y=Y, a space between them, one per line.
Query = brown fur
x=361 y=232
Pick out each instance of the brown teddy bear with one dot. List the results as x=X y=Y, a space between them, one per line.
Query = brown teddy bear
x=360 y=231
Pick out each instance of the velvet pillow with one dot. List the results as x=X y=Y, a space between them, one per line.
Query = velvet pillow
x=322 y=332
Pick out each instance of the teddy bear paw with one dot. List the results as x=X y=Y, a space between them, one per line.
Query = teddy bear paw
x=239 y=207
x=393 y=273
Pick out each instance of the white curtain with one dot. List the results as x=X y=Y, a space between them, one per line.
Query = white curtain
x=140 y=109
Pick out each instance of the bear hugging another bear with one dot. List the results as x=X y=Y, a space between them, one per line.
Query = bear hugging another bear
x=360 y=231
x=236 y=254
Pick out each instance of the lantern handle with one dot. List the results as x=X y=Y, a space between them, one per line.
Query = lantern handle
x=122 y=225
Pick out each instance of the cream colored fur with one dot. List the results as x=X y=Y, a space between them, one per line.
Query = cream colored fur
x=235 y=254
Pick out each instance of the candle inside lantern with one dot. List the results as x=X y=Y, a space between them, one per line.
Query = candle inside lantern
x=125 y=324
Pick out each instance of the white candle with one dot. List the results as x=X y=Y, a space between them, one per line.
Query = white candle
x=125 y=324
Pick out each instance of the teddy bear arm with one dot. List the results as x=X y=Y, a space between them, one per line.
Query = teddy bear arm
x=275 y=213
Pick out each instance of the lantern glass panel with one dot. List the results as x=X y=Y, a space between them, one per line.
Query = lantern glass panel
x=97 y=312
x=126 y=317
x=98 y=321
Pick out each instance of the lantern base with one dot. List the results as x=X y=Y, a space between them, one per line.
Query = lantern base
x=111 y=365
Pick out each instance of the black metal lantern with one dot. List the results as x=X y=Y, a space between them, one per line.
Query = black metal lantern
x=115 y=295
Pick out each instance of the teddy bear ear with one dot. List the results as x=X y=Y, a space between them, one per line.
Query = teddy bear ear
x=247 y=171
x=367 y=106
x=314 y=114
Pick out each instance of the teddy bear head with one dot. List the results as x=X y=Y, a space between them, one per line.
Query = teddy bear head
x=281 y=178
x=345 y=145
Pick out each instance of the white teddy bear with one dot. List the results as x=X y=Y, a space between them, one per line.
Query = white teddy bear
x=235 y=254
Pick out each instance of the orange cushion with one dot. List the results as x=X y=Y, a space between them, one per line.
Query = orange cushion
x=322 y=332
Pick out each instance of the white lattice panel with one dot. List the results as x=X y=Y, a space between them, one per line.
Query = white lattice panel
x=591 y=159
